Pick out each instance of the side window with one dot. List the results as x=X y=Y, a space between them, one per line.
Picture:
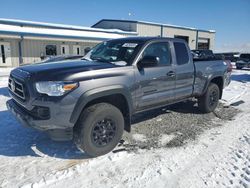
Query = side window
x=181 y=53
x=50 y=50
x=161 y=50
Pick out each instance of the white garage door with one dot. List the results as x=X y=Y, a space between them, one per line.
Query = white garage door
x=76 y=50
x=65 y=49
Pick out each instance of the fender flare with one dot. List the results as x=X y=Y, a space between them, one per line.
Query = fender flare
x=96 y=93
x=209 y=81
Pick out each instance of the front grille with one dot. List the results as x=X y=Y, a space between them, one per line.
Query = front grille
x=17 y=88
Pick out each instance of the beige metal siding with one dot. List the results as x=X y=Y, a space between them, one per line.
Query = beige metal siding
x=191 y=34
x=32 y=49
x=14 y=52
x=148 y=30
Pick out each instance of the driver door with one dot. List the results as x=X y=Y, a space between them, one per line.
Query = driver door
x=155 y=84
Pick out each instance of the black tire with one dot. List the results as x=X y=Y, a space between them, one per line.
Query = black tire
x=209 y=101
x=238 y=67
x=100 y=129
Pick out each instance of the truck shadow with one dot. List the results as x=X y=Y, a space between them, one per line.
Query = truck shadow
x=4 y=91
x=16 y=140
x=186 y=107
x=241 y=77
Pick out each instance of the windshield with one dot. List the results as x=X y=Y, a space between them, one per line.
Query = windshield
x=119 y=52
x=245 y=56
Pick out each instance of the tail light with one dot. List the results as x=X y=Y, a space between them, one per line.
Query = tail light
x=229 y=65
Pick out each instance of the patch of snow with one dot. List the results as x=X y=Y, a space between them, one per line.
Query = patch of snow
x=165 y=138
x=5 y=72
x=30 y=31
x=62 y=26
x=139 y=137
x=159 y=119
x=220 y=157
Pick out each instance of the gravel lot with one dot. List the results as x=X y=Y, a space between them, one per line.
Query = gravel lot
x=173 y=126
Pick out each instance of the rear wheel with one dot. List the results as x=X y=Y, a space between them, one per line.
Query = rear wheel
x=100 y=129
x=209 y=101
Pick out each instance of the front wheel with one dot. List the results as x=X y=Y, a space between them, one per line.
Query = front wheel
x=100 y=129
x=209 y=101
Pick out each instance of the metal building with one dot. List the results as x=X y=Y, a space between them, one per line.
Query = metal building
x=196 y=38
x=24 y=42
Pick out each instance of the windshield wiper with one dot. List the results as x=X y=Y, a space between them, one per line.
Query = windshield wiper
x=101 y=60
x=98 y=59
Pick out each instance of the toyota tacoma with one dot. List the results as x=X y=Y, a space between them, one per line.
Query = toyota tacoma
x=93 y=99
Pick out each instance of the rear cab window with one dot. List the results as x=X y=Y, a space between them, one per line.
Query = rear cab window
x=181 y=53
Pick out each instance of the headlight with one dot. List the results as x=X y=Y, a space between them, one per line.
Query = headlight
x=57 y=88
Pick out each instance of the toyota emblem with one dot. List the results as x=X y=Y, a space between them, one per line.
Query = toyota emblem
x=12 y=86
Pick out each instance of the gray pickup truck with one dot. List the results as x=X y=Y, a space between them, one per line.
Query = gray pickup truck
x=92 y=100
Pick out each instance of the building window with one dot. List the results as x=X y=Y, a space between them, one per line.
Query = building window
x=186 y=38
x=181 y=53
x=203 y=44
x=51 y=50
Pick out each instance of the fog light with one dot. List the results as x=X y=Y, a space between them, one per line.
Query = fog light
x=42 y=112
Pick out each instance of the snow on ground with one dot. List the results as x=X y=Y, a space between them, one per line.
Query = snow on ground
x=220 y=157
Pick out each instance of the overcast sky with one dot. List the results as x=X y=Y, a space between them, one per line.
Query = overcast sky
x=230 y=19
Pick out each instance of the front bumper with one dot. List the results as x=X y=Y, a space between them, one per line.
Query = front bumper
x=28 y=120
x=56 y=131
x=25 y=118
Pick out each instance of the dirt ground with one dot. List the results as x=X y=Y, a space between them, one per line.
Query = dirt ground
x=173 y=125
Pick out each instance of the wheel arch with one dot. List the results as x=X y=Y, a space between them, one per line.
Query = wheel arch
x=218 y=80
x=118 y=96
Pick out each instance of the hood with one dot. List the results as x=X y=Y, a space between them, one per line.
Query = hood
x=61 y=70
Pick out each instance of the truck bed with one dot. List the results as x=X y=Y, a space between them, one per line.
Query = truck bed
x=206 y=69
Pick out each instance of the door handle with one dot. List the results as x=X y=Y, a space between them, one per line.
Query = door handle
x=171 y=74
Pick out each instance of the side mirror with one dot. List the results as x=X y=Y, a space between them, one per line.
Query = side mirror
x=86 y=50
x=195 y=55
x=149 y=61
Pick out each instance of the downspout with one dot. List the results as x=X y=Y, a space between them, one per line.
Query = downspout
x=161 y=30
x=20 y=50
x=197 y=38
